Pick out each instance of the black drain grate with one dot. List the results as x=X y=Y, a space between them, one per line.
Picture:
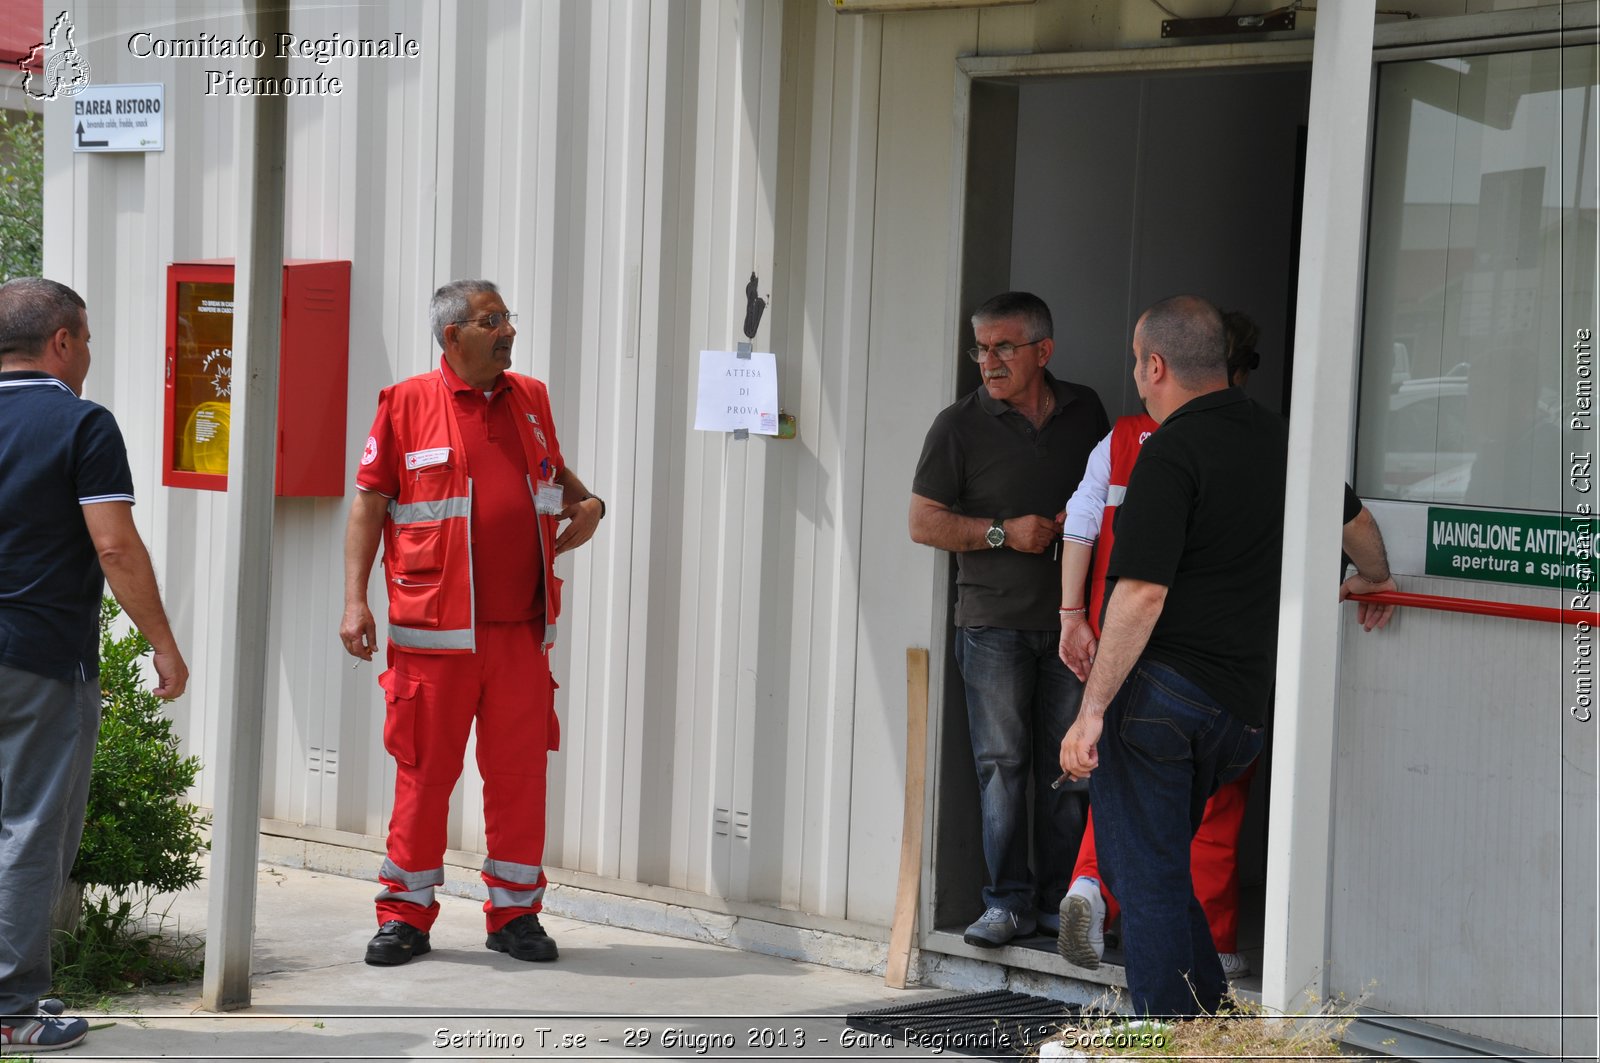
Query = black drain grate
x=998 y=1025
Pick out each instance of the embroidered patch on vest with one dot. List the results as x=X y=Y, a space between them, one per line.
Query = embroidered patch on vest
x=370 y=454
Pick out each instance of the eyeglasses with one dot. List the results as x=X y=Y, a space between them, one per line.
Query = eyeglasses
x=1003 y=351
x=490 y=321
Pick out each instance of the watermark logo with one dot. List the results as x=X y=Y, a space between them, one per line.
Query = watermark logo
x=66 y=71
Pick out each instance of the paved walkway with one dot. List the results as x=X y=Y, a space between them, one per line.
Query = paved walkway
x=614 y=993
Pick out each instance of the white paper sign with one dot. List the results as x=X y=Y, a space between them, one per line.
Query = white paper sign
x=737 y=393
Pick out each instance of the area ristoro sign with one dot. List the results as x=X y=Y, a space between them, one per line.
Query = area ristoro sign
x=1539 y=549
x=119 y=118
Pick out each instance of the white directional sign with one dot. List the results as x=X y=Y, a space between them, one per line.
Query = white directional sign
x=119 y=118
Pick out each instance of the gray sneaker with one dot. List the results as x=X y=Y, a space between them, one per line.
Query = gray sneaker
x=996 y=926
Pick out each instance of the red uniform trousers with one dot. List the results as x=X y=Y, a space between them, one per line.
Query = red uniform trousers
x=1213 y=861
x=432 y=700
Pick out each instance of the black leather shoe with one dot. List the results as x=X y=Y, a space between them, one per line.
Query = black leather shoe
x=395 y=943
x=524 y=939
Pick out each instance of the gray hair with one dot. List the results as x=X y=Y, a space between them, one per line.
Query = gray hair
x=1187 y=331
x=1023 y=306
x=453 y=303
x=33 y=309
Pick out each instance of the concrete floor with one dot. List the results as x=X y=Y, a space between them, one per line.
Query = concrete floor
x=614 y=994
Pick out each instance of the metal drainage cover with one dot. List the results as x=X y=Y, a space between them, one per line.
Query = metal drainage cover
x=998 y=1025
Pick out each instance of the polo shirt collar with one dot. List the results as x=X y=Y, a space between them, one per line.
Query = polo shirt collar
x=999 y=407
x=1211 y=400
x=22 y=377
x=456 y=384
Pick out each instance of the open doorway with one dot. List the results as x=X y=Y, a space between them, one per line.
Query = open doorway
x=1102 y=194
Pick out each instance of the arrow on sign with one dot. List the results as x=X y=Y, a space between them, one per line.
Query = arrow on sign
x=90 y=143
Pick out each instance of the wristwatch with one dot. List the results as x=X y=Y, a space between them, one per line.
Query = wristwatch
x=996 y=535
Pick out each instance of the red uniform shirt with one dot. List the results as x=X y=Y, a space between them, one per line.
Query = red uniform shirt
x=506 y=581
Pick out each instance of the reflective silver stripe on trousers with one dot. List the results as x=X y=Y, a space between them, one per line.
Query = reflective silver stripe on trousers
x=419 y=884
x=422 y=639
x=438 y=509
x=1115 y=494
x=504 y=898
x=512 y=872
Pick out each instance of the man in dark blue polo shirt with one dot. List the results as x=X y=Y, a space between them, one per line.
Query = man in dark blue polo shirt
x=66 y=528
x=1175 y=702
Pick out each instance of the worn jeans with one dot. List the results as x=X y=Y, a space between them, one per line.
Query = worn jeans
x=1020 y=702
x=1166 y=747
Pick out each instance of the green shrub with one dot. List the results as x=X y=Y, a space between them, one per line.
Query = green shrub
x=140 y=829
x=21 y=195
x=141 y=837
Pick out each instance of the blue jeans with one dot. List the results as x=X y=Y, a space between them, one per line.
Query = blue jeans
x=1020 y=701
x=1166 y=748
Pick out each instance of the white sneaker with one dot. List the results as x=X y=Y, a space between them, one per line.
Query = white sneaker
x=1234 y=965
x=1081 y=940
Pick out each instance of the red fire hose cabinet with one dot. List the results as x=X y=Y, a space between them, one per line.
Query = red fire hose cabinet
x=313 y=380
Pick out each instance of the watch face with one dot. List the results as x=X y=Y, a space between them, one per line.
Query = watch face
x=996 y=536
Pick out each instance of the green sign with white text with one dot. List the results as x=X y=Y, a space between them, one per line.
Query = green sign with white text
x=1541 y=549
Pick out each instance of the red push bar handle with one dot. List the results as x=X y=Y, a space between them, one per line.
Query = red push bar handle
x=1505 y=610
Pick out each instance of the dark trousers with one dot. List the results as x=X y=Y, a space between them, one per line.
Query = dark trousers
x=1166 y=748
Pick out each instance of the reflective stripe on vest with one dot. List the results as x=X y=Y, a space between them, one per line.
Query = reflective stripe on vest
x=435 y=509
x=1115 y=493
x=417 y=638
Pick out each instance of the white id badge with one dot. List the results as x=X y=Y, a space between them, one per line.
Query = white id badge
x=548 y=500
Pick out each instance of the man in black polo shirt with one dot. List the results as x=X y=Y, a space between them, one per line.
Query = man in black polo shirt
x=1177 y=697
x=66 y=527
x=988 y=488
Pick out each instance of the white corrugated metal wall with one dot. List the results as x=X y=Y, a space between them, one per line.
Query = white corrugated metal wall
x=616 y=169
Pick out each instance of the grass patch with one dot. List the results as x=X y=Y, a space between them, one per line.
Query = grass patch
x=1241 y=1030
x=120 y=946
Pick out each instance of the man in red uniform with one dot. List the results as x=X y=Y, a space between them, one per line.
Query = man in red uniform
x=464 y=481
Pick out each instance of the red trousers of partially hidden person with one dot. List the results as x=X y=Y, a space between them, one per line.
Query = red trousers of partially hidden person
x=432 y=703
x=1213 y=861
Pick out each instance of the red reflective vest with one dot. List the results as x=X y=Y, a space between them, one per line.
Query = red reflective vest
x=427 y=533
x=1127 y=436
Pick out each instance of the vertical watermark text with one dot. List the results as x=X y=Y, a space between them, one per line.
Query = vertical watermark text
x=1580 y=480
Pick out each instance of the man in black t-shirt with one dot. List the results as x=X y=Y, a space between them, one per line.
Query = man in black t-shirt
x=66 y=528
x=1361 y=545
x=988 y=488
x=1178 y=693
